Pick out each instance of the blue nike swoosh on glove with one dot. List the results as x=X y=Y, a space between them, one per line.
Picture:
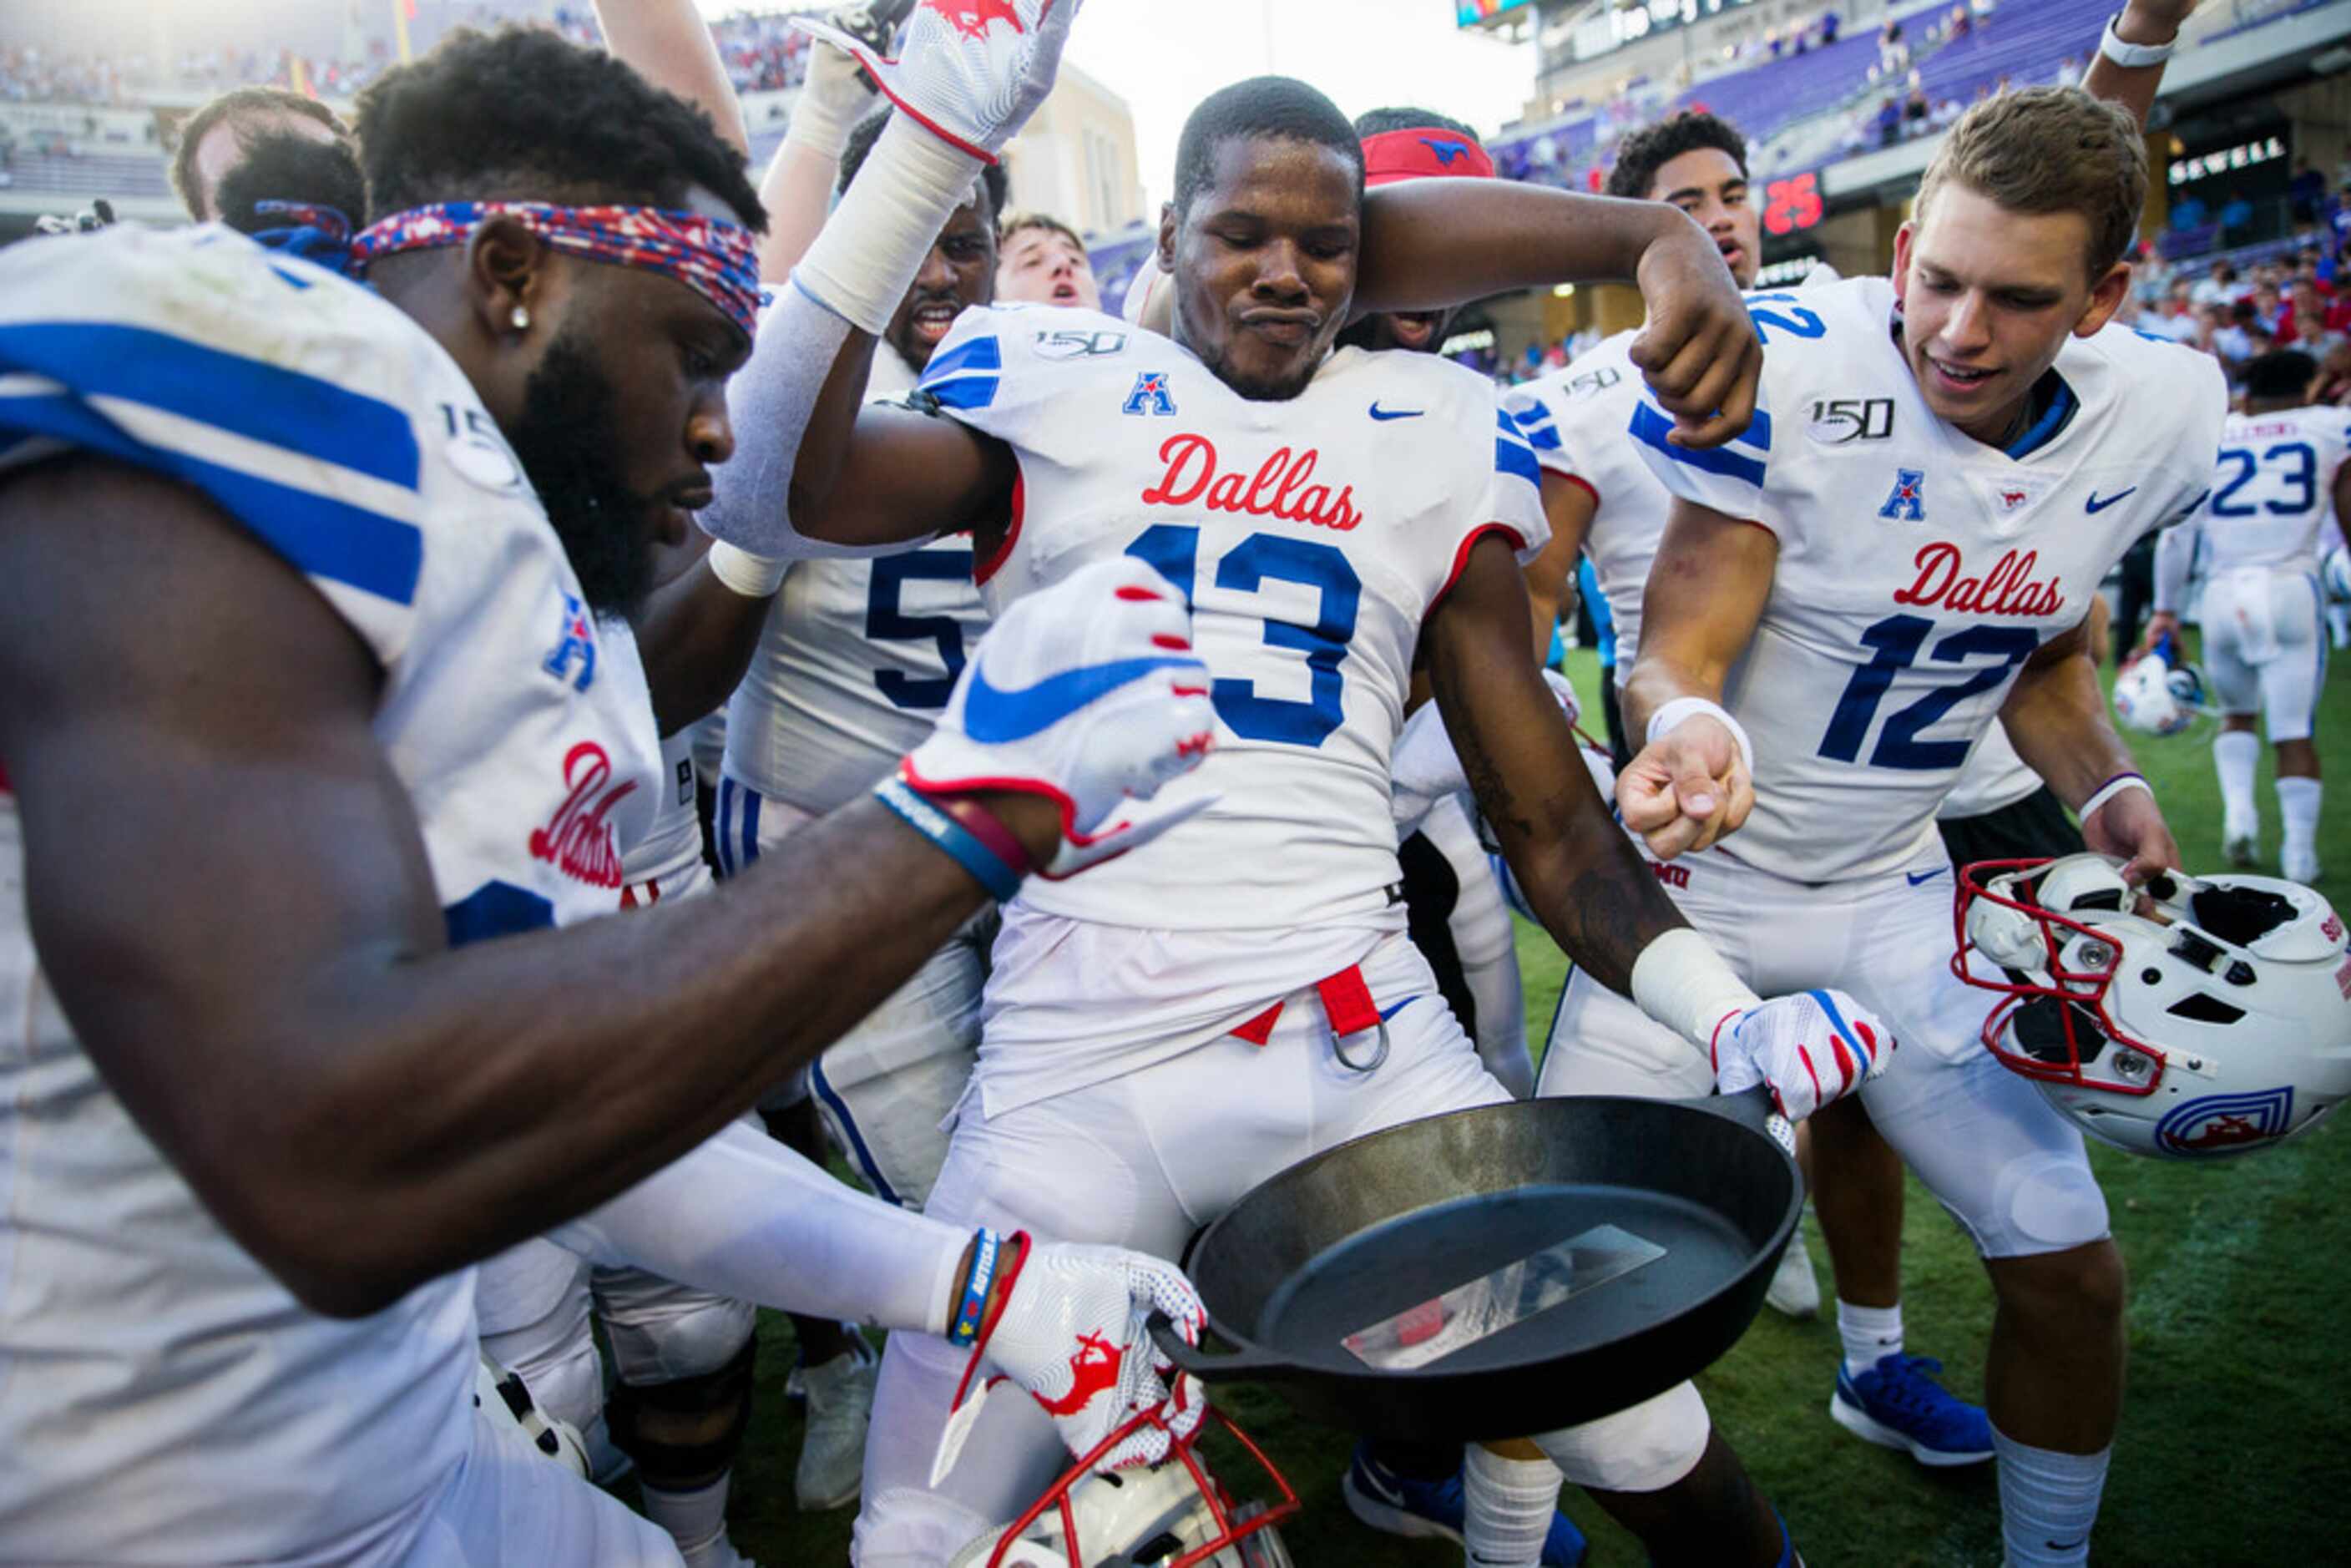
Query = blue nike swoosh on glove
x=1837 y=1023
x=993 y=715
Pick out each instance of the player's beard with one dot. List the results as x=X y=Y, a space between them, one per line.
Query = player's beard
x=567 y=441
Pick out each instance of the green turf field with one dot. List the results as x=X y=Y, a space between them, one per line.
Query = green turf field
x=2236 y=1440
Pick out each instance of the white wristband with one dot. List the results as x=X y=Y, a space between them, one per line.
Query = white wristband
x=2121 y=783
x=1682 y=982
x=752 y=576
x=2132 y=57
x=1666 y=718
x=866 y=255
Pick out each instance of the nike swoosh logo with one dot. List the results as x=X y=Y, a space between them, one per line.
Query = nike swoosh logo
x=992 y=715
x=1924 y=876
x=2068 y=1545
x=2097 y=506
x=1385 y=415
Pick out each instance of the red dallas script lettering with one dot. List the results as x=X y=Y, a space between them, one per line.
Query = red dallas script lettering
x=2006 y=589
x=579 y=842
x=1278 y=488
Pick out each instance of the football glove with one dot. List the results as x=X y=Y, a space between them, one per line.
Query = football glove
x=971 y=72
x=1808 y=1048
x=1087 y=693
x=1073 y=1331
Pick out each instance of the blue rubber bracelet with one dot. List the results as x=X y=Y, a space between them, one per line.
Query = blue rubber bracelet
x=965 y=1331
x=957 y=841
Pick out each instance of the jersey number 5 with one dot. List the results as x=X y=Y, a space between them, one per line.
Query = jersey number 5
x=885 y=622
x=1896 y=642
x=1175 y=549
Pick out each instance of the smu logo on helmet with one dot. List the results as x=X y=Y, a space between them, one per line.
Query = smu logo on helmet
x=580 y=841
x=2226 y=1123
x=1446 y=152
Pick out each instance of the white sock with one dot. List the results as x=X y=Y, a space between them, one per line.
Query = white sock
x=2298 y=806
x=2048 y=1501
x=1509 y=1506
x=2235 y=753
x=2339 y=623
x=1869 y=1333
x=696 y=1520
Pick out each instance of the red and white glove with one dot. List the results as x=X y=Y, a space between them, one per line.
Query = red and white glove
x=1087 y=693
x=1073 y=1331
x=1808 y=1048
x=971 y=72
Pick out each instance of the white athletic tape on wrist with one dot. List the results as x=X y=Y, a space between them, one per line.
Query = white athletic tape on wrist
x=2121 y=783
x=2133 y=56
x=1666 y=718
x=752 y=576
x=1682 y=982
x=867 y=254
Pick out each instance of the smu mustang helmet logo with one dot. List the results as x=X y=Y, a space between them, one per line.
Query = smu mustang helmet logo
x=2224 y=1123
x=971 y=17
x=580 y=841
x=1093 y=1369
x=1446 y=151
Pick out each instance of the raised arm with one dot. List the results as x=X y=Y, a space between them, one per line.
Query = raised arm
x=815 y=472
x=1706 y=589
x=668 y=43
x=2142 y=24
x=1431 y=244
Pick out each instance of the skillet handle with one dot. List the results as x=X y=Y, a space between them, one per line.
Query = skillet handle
x=1241 y=1365
x=1752 y=1109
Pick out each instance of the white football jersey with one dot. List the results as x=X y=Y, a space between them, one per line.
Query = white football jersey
x=162 y=1395
x=1993 y=778
x=1919 y=569
x=2273 y=496
x=1314 y=536
x=1575 y=419
x=857 y=660
x=672 y=842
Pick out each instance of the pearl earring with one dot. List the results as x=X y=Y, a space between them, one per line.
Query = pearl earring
x=521 y=318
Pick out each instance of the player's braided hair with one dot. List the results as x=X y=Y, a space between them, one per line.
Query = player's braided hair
x=244 y=103
x=868 y=130
x=1280 y=107
x=1640 y=155
x=1380 y=121
x=521 y=115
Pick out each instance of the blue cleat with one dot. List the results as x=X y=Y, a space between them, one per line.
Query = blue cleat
x=1400 y=1505
x=1898 y=1404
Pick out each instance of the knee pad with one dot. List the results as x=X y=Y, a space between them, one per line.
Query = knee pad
x=644 y=1418
x=2046 y=1203
x=1645 y=1448
x=685 y=1333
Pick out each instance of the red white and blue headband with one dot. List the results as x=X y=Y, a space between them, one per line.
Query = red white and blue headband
x=1420 y=153
x=716 y=259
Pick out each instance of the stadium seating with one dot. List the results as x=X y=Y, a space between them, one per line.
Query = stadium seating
x=2022 y=42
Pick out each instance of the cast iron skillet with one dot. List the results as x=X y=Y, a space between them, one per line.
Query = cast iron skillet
x=1373 y=1232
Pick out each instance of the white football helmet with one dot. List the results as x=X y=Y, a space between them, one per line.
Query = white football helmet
x=1174 y=1514
x=2153 y=696
x=2218 y=1025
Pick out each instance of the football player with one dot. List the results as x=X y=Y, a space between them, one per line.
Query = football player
x=1043 y=262
x=1901 y=554
x=316 y=575
x=1605 y=504
x=1149 y=1053
x=226 y=131
x=2277 y=506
